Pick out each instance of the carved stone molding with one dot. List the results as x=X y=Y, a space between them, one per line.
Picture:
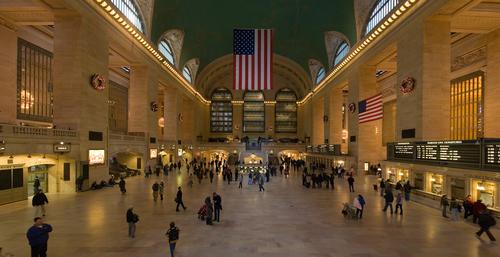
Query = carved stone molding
x=469 y=58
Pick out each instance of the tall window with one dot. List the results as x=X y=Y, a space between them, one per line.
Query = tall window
x=221 y=111
x=34 y=82
x=320 y=75
x=466 y=117
x=130 y=10
x=286 y=111
x=118 y=107
x=186 y=73
x=253 y=112
x=341 y=53
x=166 y=50
x=381 y=9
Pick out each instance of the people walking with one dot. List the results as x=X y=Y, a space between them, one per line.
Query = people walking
x=261 y=183
x=350 y=180
x=211 y=175
x=486 y=221
x=210 y=211
x=455 y=209
x=468 y=203
x=38 y=236
x=173 y=237
x=132 y=218
x=444 y=205
x=407 y=190
x=359 y=204
x=121 y=184
x=241 y=181
x=161 y=190
x=477 y=208
x=178 y=200
x=36 y=184
x=389 y=198
x=39 y=200
x=382 y=187
x=217 y=206
x=399 y=203
x=156 y=189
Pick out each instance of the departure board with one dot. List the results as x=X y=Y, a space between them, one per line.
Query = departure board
x=492 y=153
x=468 y=152
x=404 y=151
x=427 y=151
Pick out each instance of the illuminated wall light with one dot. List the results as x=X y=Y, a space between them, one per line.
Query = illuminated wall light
x=140 y=38
x=104 y=4
x=370 y=38
x=126 y=25
x=98 y=1
x=413 y=1
x=407 y=4
x=398 y=12
x=386 y=23
x=394 y=16
x=379 y=30
x=402 y=8
x=376 y=33
x=117 y=16
x=112 y=12
x=390 y=20
x=108 y=8
x=121 y=20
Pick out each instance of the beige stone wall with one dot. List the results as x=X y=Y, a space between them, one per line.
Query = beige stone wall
x=491 y=88
x=318 y=129
x=389 y=123
x=8 y=77
x=76 y=104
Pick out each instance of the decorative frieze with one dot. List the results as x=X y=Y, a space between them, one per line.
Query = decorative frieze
x=469 y=58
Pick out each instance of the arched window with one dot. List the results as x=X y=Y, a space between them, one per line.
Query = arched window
x=381 y=9
x=131 y=11
x=320 y=75
x=186 y=73
x=341 y=53
x=254 y=118
x=166 y=50
x=286 y=111
x=221 y=111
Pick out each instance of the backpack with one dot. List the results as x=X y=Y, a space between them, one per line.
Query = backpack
x=173 y=234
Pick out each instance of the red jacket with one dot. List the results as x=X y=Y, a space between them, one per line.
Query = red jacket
x=478 y=207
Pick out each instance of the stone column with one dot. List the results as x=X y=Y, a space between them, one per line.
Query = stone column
x=237 y=120
x=318 y=134
x=335 y=116
x=270 y=117
x=491 y=89
x=326 y=113
x=171 y=104
x=186 y=123
x=81 y=50
x=8 y=74
x=425 y=56
x=368 y=145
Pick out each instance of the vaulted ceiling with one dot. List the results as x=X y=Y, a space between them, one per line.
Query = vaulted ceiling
x=299 y=25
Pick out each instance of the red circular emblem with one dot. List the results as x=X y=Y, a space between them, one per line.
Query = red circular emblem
x=407 y=85
x=97 y=81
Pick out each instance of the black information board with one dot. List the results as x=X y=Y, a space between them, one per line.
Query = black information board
x=459 y=153
x=404 y=151
x=492 y=153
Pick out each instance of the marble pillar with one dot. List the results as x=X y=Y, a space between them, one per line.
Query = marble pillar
x=8 y=74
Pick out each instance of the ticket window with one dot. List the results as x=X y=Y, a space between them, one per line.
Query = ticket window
x=436 y=182
x=418 y=182
x=486 y=192
x=391 y=175
x=402 y=175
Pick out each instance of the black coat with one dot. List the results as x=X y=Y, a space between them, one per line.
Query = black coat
x=389 y=197
x=217 y=202
x=39 y=199
x=178 y=198
x=486 y=220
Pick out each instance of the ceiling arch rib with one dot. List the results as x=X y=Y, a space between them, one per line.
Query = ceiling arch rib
x=175 y=39
x=333 y=39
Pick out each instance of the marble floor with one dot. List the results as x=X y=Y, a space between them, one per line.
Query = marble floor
x=285 y=220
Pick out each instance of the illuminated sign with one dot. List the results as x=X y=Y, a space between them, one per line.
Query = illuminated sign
x=153 y=153
x=62 y=148
x=96 y=157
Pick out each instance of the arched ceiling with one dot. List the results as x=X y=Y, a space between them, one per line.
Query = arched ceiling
x=299 y=25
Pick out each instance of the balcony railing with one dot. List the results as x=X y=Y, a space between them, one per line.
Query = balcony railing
x=13 y=130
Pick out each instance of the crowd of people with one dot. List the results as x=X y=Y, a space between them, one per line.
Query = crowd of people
x=313 y=176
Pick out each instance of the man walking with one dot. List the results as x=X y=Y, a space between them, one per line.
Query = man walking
x=156 y=189
x=121 y=184
x=389 y=198
x=241 y=181
x=350 y=180
x=38 y=236
x=39 y=201
x=399 y=203
x=217 y=206
x=132 y=218
x=178 y=200
x=173 y=236
x=161 y=190
x=261 y=183
x=444 y=205
x=485 y=222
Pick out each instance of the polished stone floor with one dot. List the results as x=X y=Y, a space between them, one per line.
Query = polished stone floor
x=285 y=220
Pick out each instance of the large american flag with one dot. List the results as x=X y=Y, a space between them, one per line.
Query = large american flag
x=252 y=59
x=371 y=109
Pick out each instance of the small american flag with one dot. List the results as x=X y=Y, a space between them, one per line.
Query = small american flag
x=252 y=59
x=371 y=109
